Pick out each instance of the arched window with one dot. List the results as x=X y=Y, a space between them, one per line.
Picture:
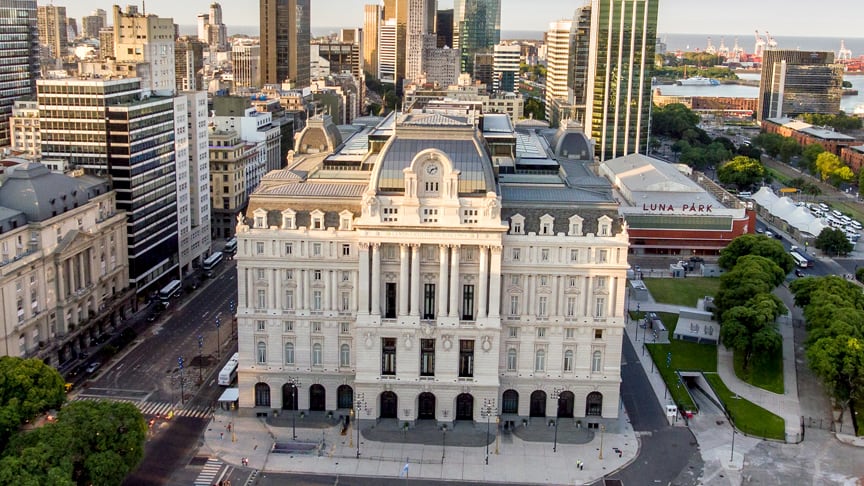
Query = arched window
x=345 y=355
x=511 y=359
x=596 y=360
x=316 y=354
x=568 y=360
x=262 y=352
x=540 y=360
x=289 y=353
x=262 y=395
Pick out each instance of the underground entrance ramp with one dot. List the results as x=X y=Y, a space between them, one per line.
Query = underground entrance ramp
x=296 y=448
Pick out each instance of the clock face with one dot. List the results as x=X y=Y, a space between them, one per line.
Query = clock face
x=432 y=169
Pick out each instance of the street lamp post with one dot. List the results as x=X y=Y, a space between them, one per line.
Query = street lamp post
x=602 y=429
x=638 y=319
x=556 y=395
x=180 y=365
x=359 y=404
x=232 y=307
x=200 y=347
x=294 y=381
x=487 y=411
x=218 y=340
x=443 y=442
x=732 y=454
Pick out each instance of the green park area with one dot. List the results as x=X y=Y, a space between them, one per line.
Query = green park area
x=683 y=292
x=670 y=358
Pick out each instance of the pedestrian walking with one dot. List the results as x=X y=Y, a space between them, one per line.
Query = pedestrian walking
x=229 y=427
x=221 y=435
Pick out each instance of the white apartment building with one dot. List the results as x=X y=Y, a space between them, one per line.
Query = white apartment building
x=559 y=69
x=24 y=133
x=147 y=39
x=424 y=272
x=505 y=67
x=64 y=269
x=387 y=51
x=192 y=153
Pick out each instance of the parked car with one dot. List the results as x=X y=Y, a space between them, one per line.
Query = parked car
x=92 y=367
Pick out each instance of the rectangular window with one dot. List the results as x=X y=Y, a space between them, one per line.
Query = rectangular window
x=289 y=300
x=262 y=299
x=259 y=247
x=468 y=302
x=603 y=256
x=600 y=307
x=598 y=333
x=512 y=358
x=541 y=332
x=344 y=328
x=429 y=301
x=541 y=306
x=569 y=333
x=346 y=301
x=600 y=282
x=289 y=248
x=289 y=274
x=316 y=300
x=514 y=305
x=544 y=255
x=388 y=356
x=466 y=358
x=260 y=272
x=260 y=326
x=514 y=280
x=568 y=360
x=574 y=255
x=513 y=332
x=346 y=249
x=316 y=326
x=544 y=280
x=346 y=276
x=516 y=254
x=427 y=357
x=316 y=275
x=571 y=282
x=468 y=254
x=287 y=326
x=571 y=307
x=316 y=249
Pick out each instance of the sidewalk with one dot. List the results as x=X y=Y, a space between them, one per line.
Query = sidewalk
x=516 y=460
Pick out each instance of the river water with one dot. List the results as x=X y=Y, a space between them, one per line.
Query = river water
x=847 y=103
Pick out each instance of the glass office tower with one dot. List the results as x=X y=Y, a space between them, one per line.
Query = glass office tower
x=618 y=105
x=476 y=28
x=19 y=57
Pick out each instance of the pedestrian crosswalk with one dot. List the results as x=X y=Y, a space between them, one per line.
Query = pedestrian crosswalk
x=162 y=409
x=208 y=475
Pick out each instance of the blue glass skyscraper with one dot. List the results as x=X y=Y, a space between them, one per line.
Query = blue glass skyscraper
x=19 y=57
x=476 y=28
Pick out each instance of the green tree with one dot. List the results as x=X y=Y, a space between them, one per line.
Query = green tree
x=769 y=142
x=751 y=329
x=28 y=387
x=752 y=275
x=788 y=149
x=748 y=150
x=741 y=172
x=826 y=164
x=535 y=109
x=843 y=174
x=673 y=120
x=759 y=245
x=833 y=242
x=809 y=154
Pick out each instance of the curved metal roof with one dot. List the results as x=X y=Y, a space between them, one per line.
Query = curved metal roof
x=41 y=194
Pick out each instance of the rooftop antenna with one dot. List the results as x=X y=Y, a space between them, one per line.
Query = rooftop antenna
x=144 y=7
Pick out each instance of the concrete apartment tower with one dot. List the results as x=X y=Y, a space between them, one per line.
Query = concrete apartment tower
x=618 y=105
x=284 y=37
x=371 y=20
x=19 y=56
x=420 y=35
x=147 y=39
x=53 y=30
x=795 y=82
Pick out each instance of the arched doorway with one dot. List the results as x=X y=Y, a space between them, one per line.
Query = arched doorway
x=317 y=398
x=538 y=404
x=465 y=407
x=262 y=395
x=565 y=404
x=426 y=406
x=510 y=402
x=594 y=404
x=289 y=397
x=389 y=405
x=344 y=397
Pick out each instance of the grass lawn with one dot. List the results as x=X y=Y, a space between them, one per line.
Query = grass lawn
x=778 y=176
x=766 y=374
x=685 y=356
x=682 y=291
x=747 y=416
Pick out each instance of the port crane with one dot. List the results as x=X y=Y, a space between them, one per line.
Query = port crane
x=844 y=54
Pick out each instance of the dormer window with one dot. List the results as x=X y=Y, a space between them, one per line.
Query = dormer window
x=546 y=225
x=317 y=219
x=517 y=225
x=604 y=226
x=575 y=225
x=345 y=220
x=289 y=219
x=260 y=218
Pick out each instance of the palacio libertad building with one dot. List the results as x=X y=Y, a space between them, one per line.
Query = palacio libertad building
x=433 y=265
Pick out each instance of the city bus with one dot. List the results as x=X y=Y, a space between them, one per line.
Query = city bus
x=799 y=260
x=229 y=372
x=212 y=261
x=231 y=246
x=170 y=291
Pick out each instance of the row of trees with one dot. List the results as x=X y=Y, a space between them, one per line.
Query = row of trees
x=834 y=312
x=813 y=157
x=746 y=307
x=88 y=443
x=840 y=121
x=693 y=146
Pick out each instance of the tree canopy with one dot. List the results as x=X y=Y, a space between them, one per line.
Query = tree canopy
x=742 y=172
x=830 y=167
x=756 y=245
x=673 y=120
x=28 y=387
x=833 y=242
x=841 y=121
x=90 y=443
x=769 y=142
x=750 y=328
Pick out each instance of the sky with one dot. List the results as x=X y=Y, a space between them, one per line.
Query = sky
x=842 y=18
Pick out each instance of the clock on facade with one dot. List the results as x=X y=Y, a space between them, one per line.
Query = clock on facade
x=432 y=169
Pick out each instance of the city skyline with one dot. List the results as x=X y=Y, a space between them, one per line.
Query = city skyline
x=675 y=16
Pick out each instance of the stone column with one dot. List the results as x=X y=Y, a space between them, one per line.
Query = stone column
x=586 y=292
x=529 y=299
x=495 y=282
x=61 y=279
x=376 y=279
x=362 y=283
x=307 y=289
x=416 y=288
x=454 y=282
x=327 y=277
x=275 y=290
x=481 y=288
x=335 y=305
x=403 y=279
x=442 y=280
